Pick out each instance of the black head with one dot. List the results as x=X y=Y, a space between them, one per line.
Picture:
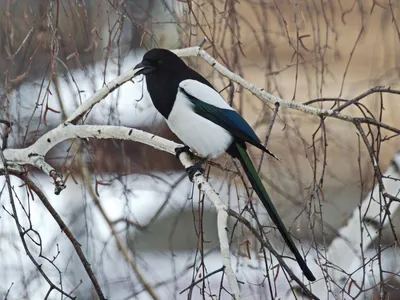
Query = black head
x=164 y=70
x=160 y=61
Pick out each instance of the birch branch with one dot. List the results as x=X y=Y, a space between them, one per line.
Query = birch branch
x=268 y=98
x=260 y=93
x=33 y=155
x=222 y=221
x=100 y=95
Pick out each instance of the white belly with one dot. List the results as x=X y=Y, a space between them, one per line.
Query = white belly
x=200 y=134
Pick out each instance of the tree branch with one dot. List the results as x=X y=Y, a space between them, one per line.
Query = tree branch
x=68 y=131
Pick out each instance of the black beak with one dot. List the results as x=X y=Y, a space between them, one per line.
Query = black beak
x=144 y=68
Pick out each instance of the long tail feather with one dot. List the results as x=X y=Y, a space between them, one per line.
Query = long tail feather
x=266 y=201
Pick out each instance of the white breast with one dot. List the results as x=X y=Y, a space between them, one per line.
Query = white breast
x=200 y=134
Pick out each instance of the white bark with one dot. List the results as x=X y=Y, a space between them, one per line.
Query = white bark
x=260 y=93
x=35 y=153
x=101 y=94
x=222 y=221
x=197 y=51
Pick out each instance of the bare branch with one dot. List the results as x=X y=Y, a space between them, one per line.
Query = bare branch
x=67 y=131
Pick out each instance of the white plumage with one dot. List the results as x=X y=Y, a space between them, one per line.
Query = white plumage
x=204 y=93
x=201 y=135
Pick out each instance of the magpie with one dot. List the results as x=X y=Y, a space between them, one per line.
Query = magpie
x=206 y=124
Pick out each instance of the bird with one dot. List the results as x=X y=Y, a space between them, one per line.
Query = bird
x=201 y=118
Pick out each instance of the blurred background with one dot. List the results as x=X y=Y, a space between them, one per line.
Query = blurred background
x=55 y=54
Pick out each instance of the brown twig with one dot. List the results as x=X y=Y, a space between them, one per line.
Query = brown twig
x=114 y=233
x=267 y=245
x=22 y=233
x=64 y=228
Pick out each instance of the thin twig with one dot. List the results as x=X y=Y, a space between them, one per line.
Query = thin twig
x=64 y=228
x=267 y=245
x=114 y=233
x=202 y=279
x=22 y=234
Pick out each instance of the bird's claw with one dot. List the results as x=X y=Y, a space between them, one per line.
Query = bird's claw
x=197 y=167
x=180 y=150
x=193 y=170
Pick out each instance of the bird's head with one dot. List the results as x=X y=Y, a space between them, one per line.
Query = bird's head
x=159 y=61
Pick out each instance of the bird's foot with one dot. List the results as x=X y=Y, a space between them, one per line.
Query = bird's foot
x=180 y=150
x=197 y=167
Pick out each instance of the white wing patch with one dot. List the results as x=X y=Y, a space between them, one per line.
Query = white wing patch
x=204 y=93
x=203 y=136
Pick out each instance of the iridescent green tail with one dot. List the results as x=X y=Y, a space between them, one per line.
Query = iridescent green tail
x=258 y=187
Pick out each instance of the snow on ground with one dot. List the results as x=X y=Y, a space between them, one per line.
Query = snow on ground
x=170 y=271
x=83 y=218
